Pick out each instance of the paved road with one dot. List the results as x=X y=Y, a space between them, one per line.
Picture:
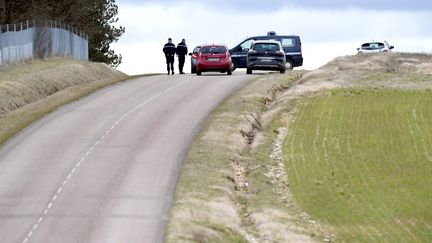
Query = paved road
x=104 y=169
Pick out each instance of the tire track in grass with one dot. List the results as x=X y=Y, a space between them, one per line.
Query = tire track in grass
x=393 y=154
x=291 y=154
x=362 y=167
x=421 y=120
x=412 y=118
x=400 y=124
x=349 y=155
x=406 y=229
x=332 y=171
x=385 y=154
x=321 y=155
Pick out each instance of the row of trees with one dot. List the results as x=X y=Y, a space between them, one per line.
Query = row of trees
x=94 y=17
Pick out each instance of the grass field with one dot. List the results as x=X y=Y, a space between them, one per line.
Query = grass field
x=360 y=161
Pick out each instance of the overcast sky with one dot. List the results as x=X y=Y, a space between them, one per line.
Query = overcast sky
x=328 y=28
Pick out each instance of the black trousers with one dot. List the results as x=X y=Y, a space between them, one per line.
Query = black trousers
x=170 y=63
x=181 y=59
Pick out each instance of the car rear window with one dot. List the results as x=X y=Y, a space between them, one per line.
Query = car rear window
x=372 y=46
x=213 y=49
x=288 y=42
x=265 y=47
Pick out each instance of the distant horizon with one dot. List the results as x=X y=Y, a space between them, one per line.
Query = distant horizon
x=327 y=31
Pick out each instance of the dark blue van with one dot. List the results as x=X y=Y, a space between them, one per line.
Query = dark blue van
x=290 y=43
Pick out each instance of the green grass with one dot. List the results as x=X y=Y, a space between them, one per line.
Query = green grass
x=360 y=161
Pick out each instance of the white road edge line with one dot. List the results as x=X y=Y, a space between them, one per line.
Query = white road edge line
x=51 y=203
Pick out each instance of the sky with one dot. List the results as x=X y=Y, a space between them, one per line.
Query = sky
x=327 y=28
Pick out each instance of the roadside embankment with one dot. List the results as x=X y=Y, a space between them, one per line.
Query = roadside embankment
x=30 y=91
x=235 y=184
x=225 y=193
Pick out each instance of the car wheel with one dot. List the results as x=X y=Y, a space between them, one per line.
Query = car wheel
x=229 y=72
x=198 y=73
x=248 y=71
x=289 y=65
x=233 y=66
x=282 y=71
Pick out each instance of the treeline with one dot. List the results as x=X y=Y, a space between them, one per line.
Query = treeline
x=94 y=17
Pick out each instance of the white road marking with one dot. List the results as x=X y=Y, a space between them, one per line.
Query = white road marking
x=35 y=227
x=59 y=190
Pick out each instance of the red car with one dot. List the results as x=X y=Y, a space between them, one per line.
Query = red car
x=214 y=58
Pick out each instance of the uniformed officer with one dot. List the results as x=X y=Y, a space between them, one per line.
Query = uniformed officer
x=169 y=49
x=182 y=51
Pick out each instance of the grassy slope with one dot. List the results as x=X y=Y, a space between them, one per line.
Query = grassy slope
x=30 y=91
x=360 y=161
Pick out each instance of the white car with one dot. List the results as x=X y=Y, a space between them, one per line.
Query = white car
x=374 y=47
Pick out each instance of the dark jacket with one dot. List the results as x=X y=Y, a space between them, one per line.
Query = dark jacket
x=182 y=49
x=169 y=49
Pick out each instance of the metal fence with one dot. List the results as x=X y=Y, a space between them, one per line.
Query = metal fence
x=27 y=40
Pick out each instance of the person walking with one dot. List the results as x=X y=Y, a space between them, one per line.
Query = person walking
x=169 y=49
x=182 y=51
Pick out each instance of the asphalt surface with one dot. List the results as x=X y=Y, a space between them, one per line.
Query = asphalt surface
x=104 y=168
